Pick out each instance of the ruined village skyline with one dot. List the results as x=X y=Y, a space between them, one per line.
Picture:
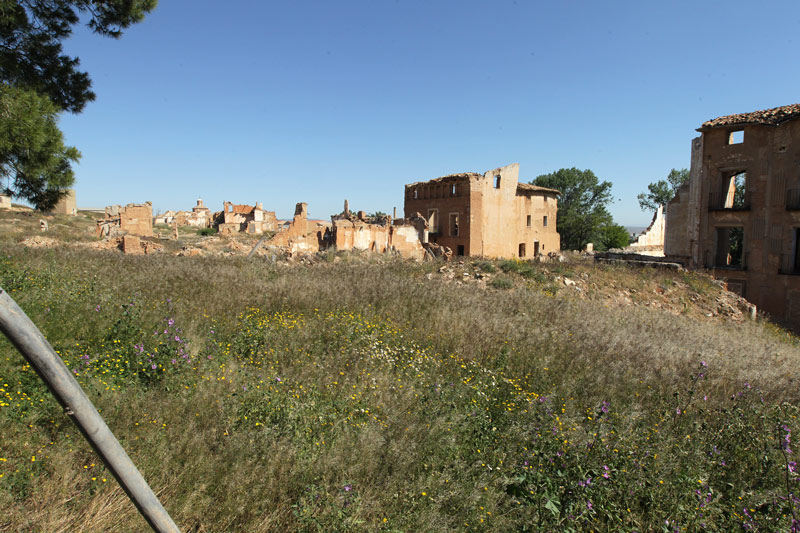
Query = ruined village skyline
x=316 y=103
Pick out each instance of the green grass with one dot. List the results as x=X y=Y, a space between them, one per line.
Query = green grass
x=359 y=395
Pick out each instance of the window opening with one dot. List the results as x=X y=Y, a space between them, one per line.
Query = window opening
x=460 y=249
x=536 y=248
x=528 y=221
x=796 y=265
x=736 y=137
x=734 y=188
x=454 y=224
x=497 y=181
x=522 y=249
x=730 y=248
x=453 y=190
x=416 y=194
x=544 y=221
x=433 y=220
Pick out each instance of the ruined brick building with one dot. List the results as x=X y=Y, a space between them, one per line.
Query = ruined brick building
x=133 y=219
x=490 y=214
x=66 y=205
x=739 y=213
x=249 y=218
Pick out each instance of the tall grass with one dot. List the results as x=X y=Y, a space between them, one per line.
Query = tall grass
x=362 y=395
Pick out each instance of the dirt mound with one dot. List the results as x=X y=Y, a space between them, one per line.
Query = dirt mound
x=38 y=241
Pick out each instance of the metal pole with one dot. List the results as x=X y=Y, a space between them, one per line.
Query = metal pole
x=27 y=338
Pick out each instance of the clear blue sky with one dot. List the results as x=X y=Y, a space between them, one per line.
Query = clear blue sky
x=282 y=102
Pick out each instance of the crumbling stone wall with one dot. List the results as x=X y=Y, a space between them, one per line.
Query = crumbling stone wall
x=133 y=219
x=137 y=219
x=404 y=237
x=297 y=228
x=249 y=218
x=676 y=238
x=653 y=237
x=165 y=218
x=5 y=202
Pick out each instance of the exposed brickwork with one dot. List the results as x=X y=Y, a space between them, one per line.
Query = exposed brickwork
x=739 y=214
x=489 y=214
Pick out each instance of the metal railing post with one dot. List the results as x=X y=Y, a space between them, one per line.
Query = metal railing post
x=27 y=338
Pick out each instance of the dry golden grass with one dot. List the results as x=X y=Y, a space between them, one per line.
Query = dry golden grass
x=217 y=472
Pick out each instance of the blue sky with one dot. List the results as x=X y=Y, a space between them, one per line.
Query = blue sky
x=282 y=102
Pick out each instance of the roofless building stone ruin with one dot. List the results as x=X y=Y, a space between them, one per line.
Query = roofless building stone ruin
x=489 y=214
x=739 y=212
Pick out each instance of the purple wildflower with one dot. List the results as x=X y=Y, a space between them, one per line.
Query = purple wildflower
x=153 y=366
x=348 y=488
x=786 y=439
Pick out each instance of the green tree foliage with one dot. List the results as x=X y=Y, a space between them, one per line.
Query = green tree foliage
x=613 y=236
x=38 y=80
x=662 y=191
x=582 y=208
x=31 y=32
x=33 y=158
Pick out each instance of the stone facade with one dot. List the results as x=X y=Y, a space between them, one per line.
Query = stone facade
x=137 y=219
x=200 y=215
x=490 y=214
x=299 y=236
x=739 y=213
x=383 y=235
x=249 y=218
x=167 y=217
x=133 y=219
x=66 y=204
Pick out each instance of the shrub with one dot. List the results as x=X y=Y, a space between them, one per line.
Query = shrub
x=485 y=266
x=501 y=283
x=510 y=265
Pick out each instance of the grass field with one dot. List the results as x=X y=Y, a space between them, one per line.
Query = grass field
x=371 y=394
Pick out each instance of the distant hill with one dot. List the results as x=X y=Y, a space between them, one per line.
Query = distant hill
x=635 y=230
